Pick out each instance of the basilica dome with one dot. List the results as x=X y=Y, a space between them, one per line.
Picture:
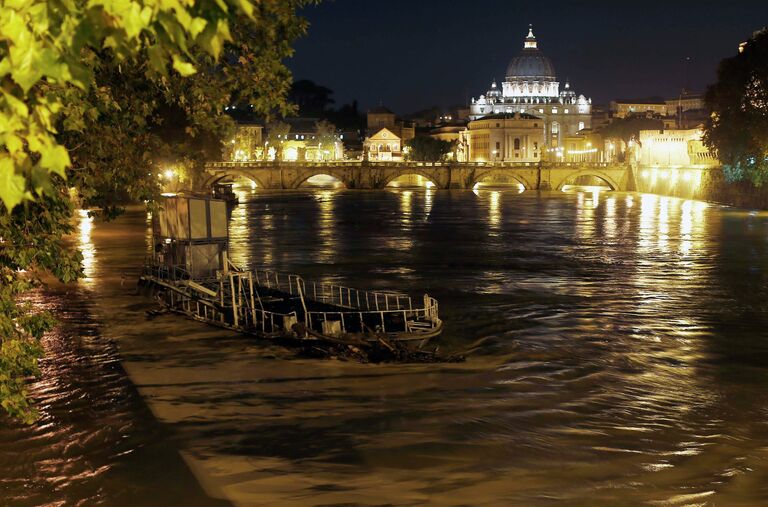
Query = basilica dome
x=531 y=62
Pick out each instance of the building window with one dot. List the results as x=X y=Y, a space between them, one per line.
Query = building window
x=535 y=145
x=565 y=111
x=535 y=125
x=498 y=145
x=581 y=125
x=555 y=127
x=554 y=110
x=498 y=125
x=517 y=143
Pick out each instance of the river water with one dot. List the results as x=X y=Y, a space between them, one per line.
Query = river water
x=617 y=355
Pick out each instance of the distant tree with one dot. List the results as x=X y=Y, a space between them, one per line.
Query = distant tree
x=428 y=149
x=312 y=99
x=738 y=126
x=325 y=132
x=630 y=127
x=428 y=115
x=277 y=135
x=347 y=116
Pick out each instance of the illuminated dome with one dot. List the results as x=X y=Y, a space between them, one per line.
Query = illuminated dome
x=531 y=62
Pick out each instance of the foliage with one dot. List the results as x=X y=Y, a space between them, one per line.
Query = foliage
x=325 y=132
x=312 y=99
x=738 y=126
x=277 y=135
x=102 y=96
x=31 y=242
x=428 y=149
x=42 y=46
x=630 y=127
x=347 y=117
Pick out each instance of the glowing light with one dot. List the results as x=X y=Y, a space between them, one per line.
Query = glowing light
x=582 y=152
x=86 y=246
x=291 y=154
x=169 y=173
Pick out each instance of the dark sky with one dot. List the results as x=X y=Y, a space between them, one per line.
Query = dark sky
x=413 y=54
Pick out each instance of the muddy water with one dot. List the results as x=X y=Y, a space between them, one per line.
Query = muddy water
x=618 y=353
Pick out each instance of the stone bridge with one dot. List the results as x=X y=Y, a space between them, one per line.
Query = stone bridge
x=375 y=175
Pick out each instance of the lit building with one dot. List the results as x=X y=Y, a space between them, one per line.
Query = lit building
x=448 y=132
x=308 y=139
x=245 y=145
x=504 y=137
x=686 y=111
x=629 y=107
x=384 y=145
x=585 y=146
x=387 y=135
x=531 y=87
x=674 y=148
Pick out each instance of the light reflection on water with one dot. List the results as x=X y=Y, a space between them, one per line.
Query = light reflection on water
x=619 y=355
x=85 y=245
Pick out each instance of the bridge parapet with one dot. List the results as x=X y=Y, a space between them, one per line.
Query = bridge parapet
x=405 y=164
x=373 y=175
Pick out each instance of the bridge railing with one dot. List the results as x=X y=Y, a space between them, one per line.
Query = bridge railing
x=269 y=164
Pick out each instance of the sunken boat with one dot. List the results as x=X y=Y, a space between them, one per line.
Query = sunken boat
x=189 y=272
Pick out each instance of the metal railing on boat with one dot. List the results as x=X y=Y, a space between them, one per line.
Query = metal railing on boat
x=359 y=311
x=338 y=295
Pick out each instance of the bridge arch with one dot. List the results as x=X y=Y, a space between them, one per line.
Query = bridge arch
x=612 y=184
x=231 y=175
x=410 y=172
x=303 y=176
x=300 y=183
x=519 y=178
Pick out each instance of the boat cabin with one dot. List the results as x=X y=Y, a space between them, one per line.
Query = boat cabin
x=190 y=237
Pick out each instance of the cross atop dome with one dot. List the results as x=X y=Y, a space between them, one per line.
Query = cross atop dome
x=530 y=40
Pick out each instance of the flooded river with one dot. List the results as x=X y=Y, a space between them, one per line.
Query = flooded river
x=617 y=355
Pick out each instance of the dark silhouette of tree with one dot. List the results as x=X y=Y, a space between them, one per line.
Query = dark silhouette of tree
x=346 y=117
x=630 y=127
x=738 y=126
x=428 y=149
x=312 y=99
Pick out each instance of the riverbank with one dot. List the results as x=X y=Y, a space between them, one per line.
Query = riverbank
x=701 y=184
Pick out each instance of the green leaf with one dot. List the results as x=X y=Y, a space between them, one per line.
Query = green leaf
x=182 y=67
x=18 y=107
x=157 y=59
x=55 y=158
x=11 y=184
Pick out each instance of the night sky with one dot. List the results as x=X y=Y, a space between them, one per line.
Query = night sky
x=414 y=54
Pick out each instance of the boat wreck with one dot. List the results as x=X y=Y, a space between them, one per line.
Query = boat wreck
x=189 y=272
